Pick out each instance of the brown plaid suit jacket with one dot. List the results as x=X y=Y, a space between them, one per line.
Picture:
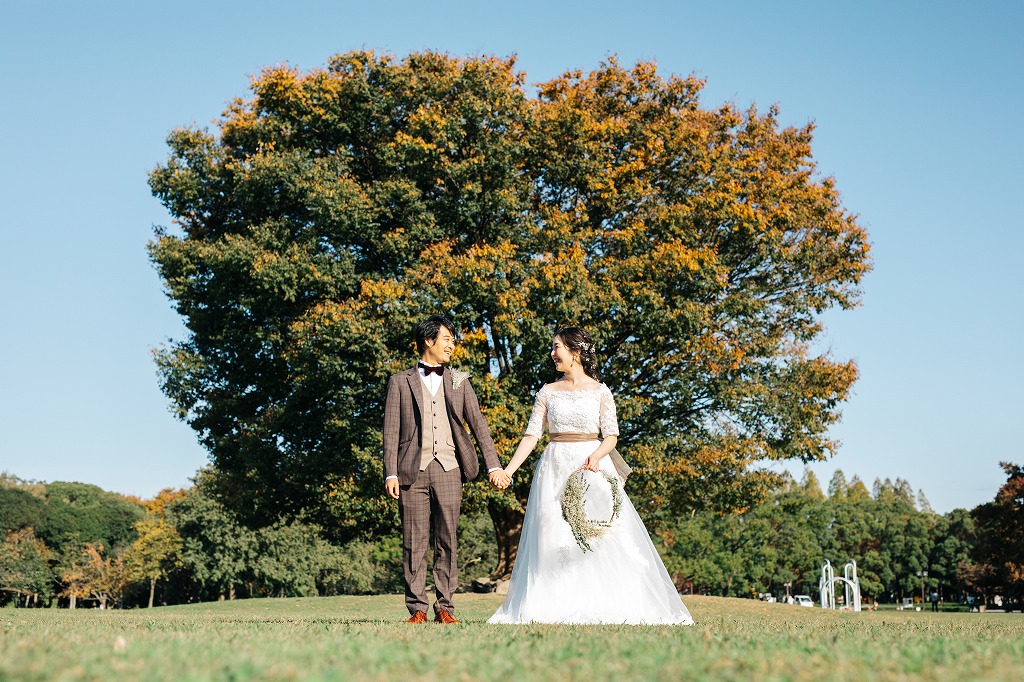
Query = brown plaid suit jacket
x=403 y=431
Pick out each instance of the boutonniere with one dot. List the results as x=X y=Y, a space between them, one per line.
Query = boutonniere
x=458 y=377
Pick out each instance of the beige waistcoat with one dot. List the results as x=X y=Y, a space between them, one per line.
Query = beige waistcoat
x=438 y=442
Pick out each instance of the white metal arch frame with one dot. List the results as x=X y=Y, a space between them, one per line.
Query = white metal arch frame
x=851 y=586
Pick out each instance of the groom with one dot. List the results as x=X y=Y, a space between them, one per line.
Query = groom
x=428 y=455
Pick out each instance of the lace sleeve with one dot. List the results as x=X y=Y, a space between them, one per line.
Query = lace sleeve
x=609 y=422
x=538 y=419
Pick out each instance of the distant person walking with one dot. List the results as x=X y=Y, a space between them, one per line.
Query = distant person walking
x=935 y=601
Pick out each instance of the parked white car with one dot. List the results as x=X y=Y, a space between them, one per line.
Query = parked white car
x=803 y=600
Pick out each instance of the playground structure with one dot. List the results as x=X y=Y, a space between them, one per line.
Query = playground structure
x=851 y=586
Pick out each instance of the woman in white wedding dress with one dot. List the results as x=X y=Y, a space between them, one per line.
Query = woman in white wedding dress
x=622 y=579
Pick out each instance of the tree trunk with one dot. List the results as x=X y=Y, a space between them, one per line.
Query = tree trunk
x=152 y=589
x=508 y=526
x=73 y=600
x=231 y=592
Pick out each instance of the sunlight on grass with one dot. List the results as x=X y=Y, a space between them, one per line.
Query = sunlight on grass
x=365 y=638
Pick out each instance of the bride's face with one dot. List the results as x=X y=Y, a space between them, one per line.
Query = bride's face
x=560 y=355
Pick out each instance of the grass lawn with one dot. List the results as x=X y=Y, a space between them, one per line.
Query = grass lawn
x=364 y=638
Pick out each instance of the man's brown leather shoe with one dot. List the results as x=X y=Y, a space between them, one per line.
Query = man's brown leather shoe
x=446 y=618
x=418 y=617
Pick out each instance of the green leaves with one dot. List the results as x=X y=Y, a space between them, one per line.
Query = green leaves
x=786 y=538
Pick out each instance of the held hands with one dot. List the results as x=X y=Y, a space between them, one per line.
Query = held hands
x=500 y=479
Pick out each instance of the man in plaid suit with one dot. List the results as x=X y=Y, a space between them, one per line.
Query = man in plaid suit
x=428 y=455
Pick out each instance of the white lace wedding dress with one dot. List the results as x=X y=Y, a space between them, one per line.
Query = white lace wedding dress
x=622 y=580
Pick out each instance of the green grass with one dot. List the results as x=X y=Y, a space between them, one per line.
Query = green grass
x=364 y=638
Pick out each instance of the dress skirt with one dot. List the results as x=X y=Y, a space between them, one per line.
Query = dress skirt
x=622 y=580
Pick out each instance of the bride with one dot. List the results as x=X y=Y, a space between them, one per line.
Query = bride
x=622 y=578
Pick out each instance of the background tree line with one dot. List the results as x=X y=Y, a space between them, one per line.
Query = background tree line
x=72 y=544
x=892 y=534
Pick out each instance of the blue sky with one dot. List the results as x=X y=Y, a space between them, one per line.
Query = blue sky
x=917 y=107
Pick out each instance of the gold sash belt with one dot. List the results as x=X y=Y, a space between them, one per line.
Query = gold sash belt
x=621 y=467
x=569 y=437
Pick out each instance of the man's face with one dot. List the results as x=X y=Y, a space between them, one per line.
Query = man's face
x=439 y=350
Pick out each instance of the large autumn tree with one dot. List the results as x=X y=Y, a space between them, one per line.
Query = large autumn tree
x=333 y=209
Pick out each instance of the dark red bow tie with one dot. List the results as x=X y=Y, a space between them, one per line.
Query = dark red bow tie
x=428 y=370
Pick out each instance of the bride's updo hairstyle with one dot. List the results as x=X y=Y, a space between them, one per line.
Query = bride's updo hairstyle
x=579 y=341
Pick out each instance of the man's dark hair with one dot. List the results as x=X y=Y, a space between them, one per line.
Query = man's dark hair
x=429 y=329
